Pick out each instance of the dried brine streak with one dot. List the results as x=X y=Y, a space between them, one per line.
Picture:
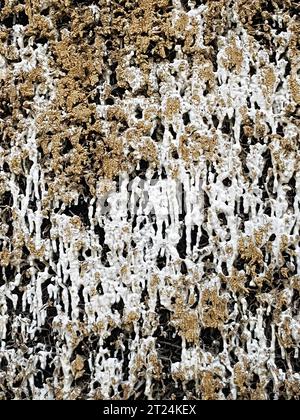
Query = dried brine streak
x=149 y=196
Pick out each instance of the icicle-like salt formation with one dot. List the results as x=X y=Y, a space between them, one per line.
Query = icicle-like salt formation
x=149 y=195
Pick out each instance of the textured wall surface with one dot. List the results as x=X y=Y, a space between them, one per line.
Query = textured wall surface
x=149 y=199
